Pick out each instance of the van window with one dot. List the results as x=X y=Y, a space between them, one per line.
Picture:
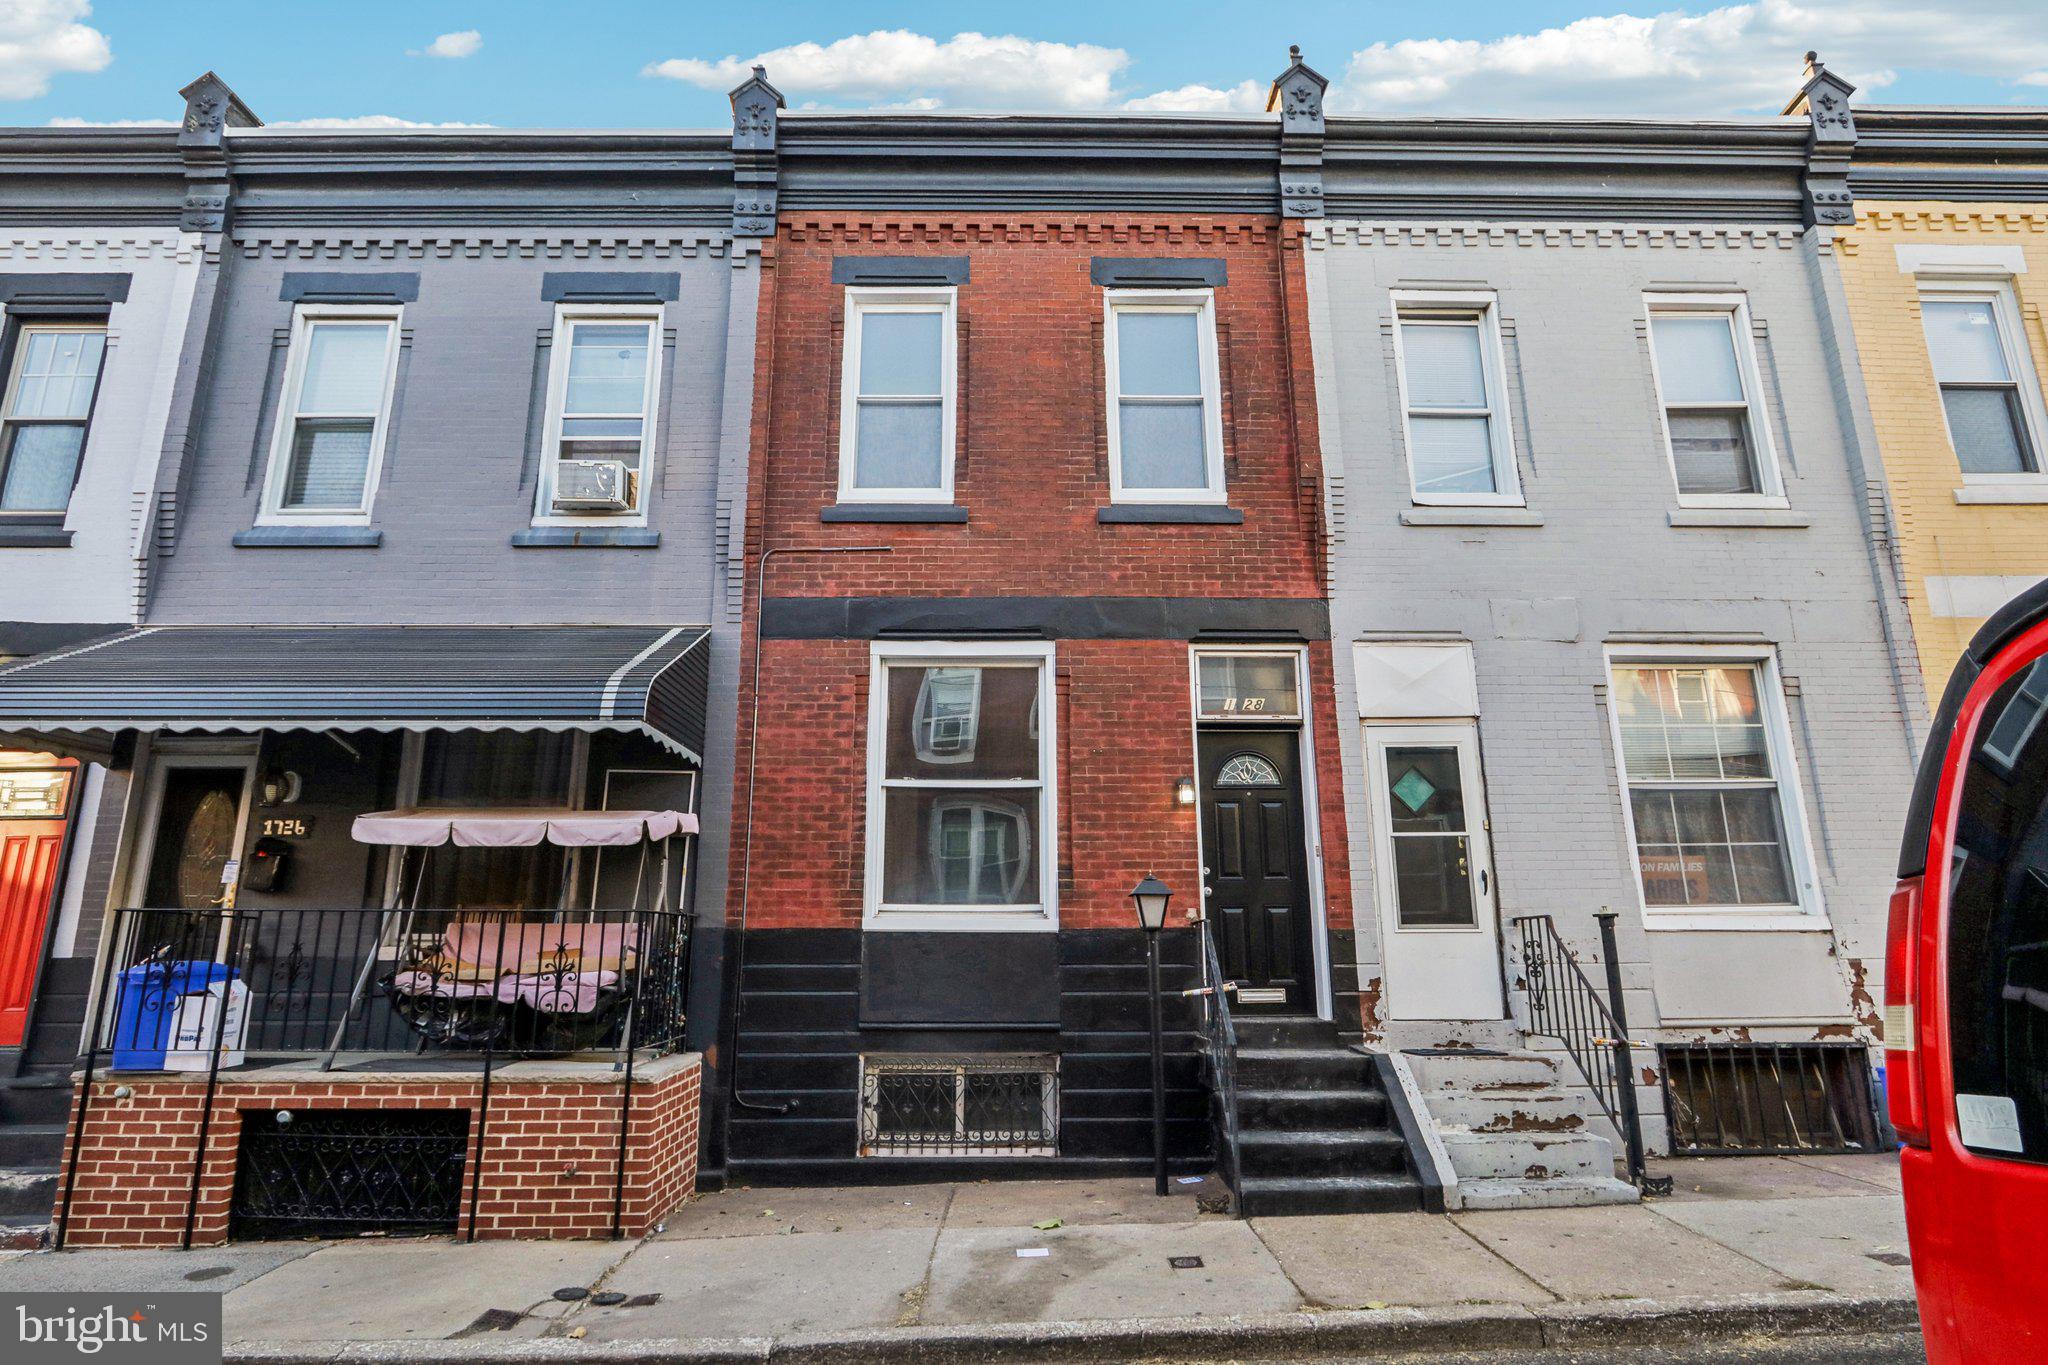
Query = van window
x=1998 y=929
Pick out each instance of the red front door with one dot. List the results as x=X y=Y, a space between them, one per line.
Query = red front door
x=28 y=875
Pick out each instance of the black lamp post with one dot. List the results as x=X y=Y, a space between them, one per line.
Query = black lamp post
x=1151 y=896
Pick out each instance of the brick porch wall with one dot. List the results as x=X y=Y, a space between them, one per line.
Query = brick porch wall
x=549 y=1161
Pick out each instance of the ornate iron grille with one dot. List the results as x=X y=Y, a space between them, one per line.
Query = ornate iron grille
x=1765 y=1098
x=959 y=1106
x=341 y=1172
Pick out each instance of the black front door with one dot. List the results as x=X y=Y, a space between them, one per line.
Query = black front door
x=1257 y=866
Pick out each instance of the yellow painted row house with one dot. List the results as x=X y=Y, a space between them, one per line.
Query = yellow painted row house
x=1945 y=270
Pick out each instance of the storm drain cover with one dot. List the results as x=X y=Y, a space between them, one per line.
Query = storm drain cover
x=1185 y=1262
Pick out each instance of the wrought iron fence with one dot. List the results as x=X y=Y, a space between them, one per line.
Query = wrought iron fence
x=1768 y=1098
x=1565 y=1005
x=1219 y=1045
x=217 y=989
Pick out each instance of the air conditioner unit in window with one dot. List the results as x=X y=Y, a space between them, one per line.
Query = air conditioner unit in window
x=593 y=486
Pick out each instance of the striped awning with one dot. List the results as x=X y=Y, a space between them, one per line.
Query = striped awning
x=649 y=679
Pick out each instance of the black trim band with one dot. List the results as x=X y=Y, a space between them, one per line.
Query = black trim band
x=25 y=291
x=341 y=286
x=1061 y=618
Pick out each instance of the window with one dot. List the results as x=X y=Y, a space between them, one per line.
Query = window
x=991 y=1105
x=1165 y=413
x=37 y=794
x=601 y=390
x=330 y=430
x=1461 y=450
x=1264 y=686
x=1705 y=371
x=1984 y=371
x=1702 y=752
x=49 y=399
x=896 y=396
x=959 y=805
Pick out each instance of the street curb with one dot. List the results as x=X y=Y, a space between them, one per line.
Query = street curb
x=1634 y=1322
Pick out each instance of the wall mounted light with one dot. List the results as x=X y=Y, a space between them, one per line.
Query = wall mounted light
x=280 y=787
x=1184 y=792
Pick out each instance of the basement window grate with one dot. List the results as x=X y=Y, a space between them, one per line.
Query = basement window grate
x=1756 y=1099
x=947 y=1106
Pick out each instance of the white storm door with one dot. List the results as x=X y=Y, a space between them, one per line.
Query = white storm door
x=1434 y=873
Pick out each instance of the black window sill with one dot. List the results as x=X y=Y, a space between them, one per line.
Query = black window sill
x=1168 y=514
x=309 y=538
x=900 y=513
x=32 y=537
x=581 y=538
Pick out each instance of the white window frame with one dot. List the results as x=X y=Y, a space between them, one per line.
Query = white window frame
x=1480 y=308
x=567 y=318
x=1735 y=308
x=1998 y=291
x=1202 y=303
x=878 y=915
x=12 y=381
x=860 y=301
x=304 y=319
x=1810 y=911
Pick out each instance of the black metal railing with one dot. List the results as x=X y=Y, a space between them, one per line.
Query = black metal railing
x=1219 y=1046
x=216 y=990
x=1757 y=1099
x=1593 y=1026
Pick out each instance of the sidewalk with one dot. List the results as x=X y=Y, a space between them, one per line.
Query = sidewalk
x=933 y=1272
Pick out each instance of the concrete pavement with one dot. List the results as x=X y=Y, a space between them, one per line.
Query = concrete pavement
x=1763 y=1245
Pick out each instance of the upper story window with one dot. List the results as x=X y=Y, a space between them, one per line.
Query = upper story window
x=48 y=406
x=331 y=426
x=1165 y=408
x=897 y=395
x=601 y=408
x=1989 y=393
x=1707 y=384
x=960 y=821
x=1461 y=449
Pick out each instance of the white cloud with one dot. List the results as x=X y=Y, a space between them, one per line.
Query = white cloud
x=369 y=122
x=113 y=123
x=1246 y=97
x=904 y=69
x=43 y=38
x=1735 y=59
x=452 y=46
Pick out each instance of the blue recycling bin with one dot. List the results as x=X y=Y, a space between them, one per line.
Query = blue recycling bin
x=146 y=1005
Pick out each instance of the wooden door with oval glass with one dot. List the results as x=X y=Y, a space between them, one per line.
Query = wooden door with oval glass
x=1434 y=873
x=1256 y=866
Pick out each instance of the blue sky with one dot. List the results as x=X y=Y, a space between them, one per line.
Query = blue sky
x=639 y=63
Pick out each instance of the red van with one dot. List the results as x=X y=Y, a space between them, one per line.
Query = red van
x=1966 y=1001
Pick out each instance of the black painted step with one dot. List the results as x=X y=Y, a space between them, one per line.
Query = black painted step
x=31 y=1144
x=39 y=1096
x=1311 y=1109
x=1269 y=1033
x=1281 y=1196
x=28 y=1192
x=1337 y=1153
x=1304 y=1068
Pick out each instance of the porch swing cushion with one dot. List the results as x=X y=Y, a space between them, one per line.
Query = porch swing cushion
x=553 y=968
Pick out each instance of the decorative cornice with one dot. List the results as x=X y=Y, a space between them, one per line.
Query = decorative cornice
x=138 y=248
x=1830 y=143
x=1955 y=220
x=344 y=246
x=1297 y=97
x=1135 y=230
x=756 y=113
x=1701 y=236
x=210 y=110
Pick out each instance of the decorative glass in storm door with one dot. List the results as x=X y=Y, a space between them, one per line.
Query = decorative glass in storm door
x=1432 y=847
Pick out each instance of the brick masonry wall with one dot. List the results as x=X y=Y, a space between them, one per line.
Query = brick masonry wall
x=1938 y=537
x=549 y=1160
x=1031 y=471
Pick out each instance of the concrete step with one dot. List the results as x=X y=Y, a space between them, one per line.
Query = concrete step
x=1285 y=1153
x=1484 y=1073
x=1546 y=1194
x=1285 y=1196
x=1527 y=1156
x=1518 y=1112
x=1311 y=1109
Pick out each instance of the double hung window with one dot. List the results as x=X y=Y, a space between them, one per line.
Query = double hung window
x=1707 y=385
x=332 y=423
x=601 y=410
x=1165 y=409
x=1461 y=450
x=896 y=396
x=48 y=405
x=1989 y=395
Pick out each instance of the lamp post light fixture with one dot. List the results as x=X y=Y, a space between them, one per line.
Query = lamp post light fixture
x=1150 y=897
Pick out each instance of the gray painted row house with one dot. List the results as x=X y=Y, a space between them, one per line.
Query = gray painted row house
x=440 y=494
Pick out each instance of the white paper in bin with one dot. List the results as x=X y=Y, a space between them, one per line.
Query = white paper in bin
x=194 y=1020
